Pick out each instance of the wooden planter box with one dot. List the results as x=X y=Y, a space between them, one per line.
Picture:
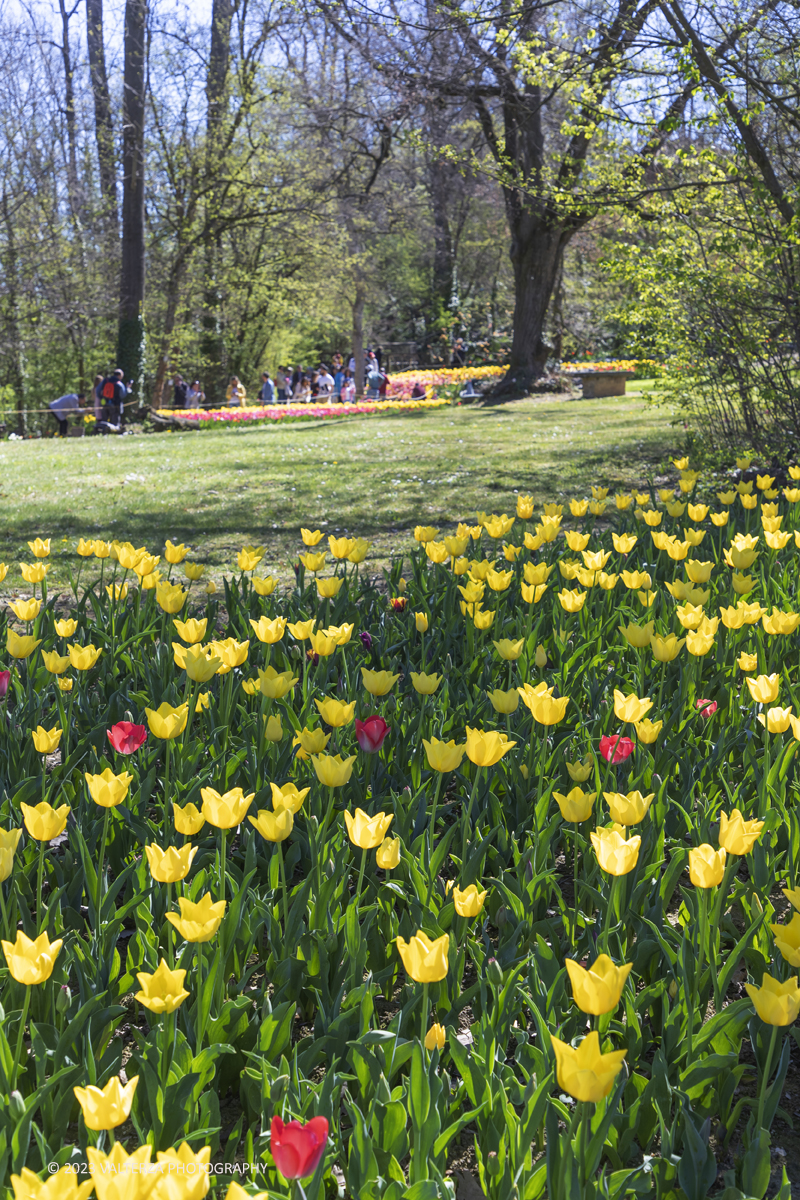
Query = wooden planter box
x=604 y=383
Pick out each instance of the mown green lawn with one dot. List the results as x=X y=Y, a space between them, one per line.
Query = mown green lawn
x=376 y=477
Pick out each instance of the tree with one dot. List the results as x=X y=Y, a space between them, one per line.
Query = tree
x=131 y=335
x=103 y=120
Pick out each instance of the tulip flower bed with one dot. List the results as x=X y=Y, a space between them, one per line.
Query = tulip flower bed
x=401 y=385
x=316 y=893
x=212 y=418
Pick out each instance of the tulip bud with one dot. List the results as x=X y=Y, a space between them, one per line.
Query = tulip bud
x=295 y=652
x=523 y=770
x=63 y=999
x=502 y=917
x=494 y=1168
x=494 y=972
x=16 y=1105
x=673 y=990
x=401 y=585
x=541 y=657
x=383 y=1092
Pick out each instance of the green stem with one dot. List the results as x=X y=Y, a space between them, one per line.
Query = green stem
x=431 y=835
x=223 y=834
x=360 y=878
x=283 y=886
x=584 y=1132
x=609 y=910
x=167 y=755
x=39 y=878
x=200 y=1024
x=575 y=884
x=18 y=1052
x=762 y=1096
x=100 y=865
x=467 y=824
x=424 y=1024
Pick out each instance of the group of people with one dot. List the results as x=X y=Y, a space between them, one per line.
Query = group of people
x=108 y=396
x=330 y=385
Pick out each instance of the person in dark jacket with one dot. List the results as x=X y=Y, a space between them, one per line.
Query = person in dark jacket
x=180 y=392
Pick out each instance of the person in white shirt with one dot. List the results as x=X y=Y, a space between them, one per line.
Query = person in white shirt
x=72 y=402
x=325 y=382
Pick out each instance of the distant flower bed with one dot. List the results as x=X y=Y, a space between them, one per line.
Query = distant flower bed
x=400 y=385
x=617 y=364
x=206 y=417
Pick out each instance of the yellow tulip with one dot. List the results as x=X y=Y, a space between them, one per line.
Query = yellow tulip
x=67 y=627
x=31 y=962
x=787 y=940
x=579 y=772
x=46 y=740
x=151 y=582
x=425 y=961
x=225 y=811
x=264 y=587
x=200 y=663
x=43 y=822
x=665 y=649
x=108 y=1107
x=545 y=708
x=359 y=551
x=421 y=622
x=328 y=588
x=508 y=650
x=331 y=770
x=167 y=722
x=776 y=1003
x=191 y=631
x=20 y=647
x=83 y=658
x=170 y=865
x=482 y=620
x=188 y=820
x=776 y=720
x=249 y=557
x=25 y=610
x=485 y=748
x=378 y=683
x=170 y=597
x=120 y=1176
x=273 y=826
x=736 y=835
x=195 y=571
x=101 y=549
x=84 y=548
x=198 y=922
x=598 y=989
x=322 y=644
x=175 y=554
x=630 y=809
x=425 y=533
x=780 y=622
x=584 y=1072
x=147 y=564
x=764 y=688
x=698 y=572
x=572 y=602
x=311 y=537
x=469 y=902
x=425 y=685
x=706 y=866
x=288 y=796
x=435 y=1038
x=534 y=593
x=577 y=805
x=55 y=663
x=747 y=662
x=388 y=854
x=335 y=713
x=231 y=653
x=33 y=572
x=524 y=507
x=273 y=730
x=624 y=542
x=341 y=547
x=163 y=991
x=64 y=685
x=504 y=702
x=444 y=756
x=367 y=832
x=107 y=789
x=630 y=708
x=742 y=584
x=275 y=685
x=310 y=741
x=40 y=548
x=615 y=854
x=647 y=731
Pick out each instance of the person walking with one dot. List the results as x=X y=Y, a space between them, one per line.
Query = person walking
x=282 y=385
x=338 y=380
x=266 y=392
x=235 y=394
x=195 y=397
x=326 y=382
x=72 y=402
x=114 y=393
x=180 y=392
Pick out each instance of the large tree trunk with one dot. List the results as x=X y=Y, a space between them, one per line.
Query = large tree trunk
x=358 y=339
x=69 y=110
x=130 y=341
x=15 y=358
x=103 y=123
x=536 y=253
x=213 y=340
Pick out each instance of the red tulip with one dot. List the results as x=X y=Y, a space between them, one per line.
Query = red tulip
x=707 y=707
x=370 y=734
x=616 y=749
x=398 y=603
x=126 y=737
x=297 y=1148
x=5 y=679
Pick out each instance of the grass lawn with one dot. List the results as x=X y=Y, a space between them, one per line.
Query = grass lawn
x=376 y=477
